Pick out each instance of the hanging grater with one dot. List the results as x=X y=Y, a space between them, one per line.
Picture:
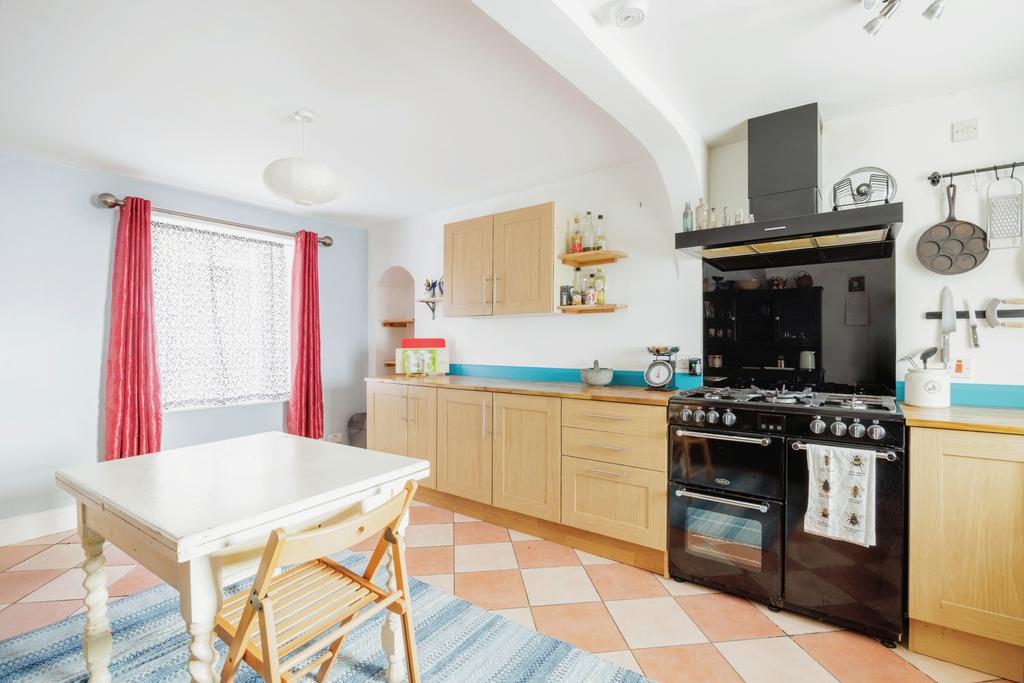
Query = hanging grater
x=1005 y=212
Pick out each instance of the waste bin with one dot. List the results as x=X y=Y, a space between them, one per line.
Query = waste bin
x=357 y=430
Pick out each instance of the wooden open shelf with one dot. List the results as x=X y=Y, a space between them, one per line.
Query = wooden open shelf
x=389 y=363
x=598 y=257
x=396 y=323
x=592 y=308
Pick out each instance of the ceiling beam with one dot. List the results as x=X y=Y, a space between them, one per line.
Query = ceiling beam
x=586 y=53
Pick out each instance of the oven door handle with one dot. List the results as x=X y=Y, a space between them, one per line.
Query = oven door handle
x=724 y=437
x=738 y=503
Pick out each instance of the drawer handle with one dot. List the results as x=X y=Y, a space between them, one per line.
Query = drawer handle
x=607 y=448
x=607 y=417
x=606 y=473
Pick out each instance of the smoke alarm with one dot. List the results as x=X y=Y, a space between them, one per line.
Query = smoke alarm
x=630 y=13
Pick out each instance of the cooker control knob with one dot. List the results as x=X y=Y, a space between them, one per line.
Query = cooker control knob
x=712 y=416
x=686 y=414
x=818 y=425
x=876 y=432
x=857 y=430
x=699 y=415
x=838 y=428
x=728 y=418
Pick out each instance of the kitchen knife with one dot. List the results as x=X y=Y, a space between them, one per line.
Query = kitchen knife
x=973 y=321
x=948 y=321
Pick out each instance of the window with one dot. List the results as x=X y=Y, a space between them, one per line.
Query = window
x=221 y=303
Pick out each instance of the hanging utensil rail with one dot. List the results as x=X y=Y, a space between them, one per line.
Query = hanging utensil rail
x=881 y=455
x=936 y=177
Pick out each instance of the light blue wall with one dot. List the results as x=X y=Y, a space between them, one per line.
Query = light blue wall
x=55 y=258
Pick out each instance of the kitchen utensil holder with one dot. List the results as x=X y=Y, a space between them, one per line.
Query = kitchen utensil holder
x=935 y=178
x=979 y=314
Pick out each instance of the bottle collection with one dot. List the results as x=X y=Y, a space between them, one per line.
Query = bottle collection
x=701 y=217
x=588 y=286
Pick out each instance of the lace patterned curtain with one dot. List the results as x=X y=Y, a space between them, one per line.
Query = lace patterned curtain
x=221 y=303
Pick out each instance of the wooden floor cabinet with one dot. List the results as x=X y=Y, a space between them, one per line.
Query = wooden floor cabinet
x=403 y=420
x=526 y=455
x=966 y=589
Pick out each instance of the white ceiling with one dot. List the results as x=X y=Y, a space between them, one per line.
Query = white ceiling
x=421 y=105
x=721 y=62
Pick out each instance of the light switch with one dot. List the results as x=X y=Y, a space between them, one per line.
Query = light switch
x=965 y=130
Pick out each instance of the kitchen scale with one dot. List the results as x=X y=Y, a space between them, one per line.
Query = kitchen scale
x=661 y=373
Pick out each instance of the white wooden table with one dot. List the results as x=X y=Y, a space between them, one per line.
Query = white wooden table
x=198 y=518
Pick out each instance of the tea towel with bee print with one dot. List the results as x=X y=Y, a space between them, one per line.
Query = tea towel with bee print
x=841 y=494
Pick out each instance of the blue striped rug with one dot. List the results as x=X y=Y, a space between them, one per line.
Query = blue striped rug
x=456 y=641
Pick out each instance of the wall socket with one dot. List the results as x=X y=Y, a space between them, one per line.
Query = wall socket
x=962 y=368
x=337 y=437
x=965 y=130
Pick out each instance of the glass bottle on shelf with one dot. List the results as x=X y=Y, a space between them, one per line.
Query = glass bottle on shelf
x=599 y=241
x=701 y=215
x=687 y=218
x=712 y=219
x=589 y=234
x=739 y=218
x=725 y=216
x=590 y=295
x=576 y=238
x=599 y=285
x=577 y=286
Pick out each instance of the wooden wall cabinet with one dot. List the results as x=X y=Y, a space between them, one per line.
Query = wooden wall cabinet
x=966 y=589
x=527 y=459
x=403 y=420
x=501 y=264
x=464 y=448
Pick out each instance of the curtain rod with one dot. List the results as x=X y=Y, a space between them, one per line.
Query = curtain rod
x=110 y=201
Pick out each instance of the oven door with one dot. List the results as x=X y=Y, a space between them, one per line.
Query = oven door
x=748 y=464
x=726 y=541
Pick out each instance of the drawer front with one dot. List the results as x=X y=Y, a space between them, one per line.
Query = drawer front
x=627 y=503
x=621 y=418
x=648 y=452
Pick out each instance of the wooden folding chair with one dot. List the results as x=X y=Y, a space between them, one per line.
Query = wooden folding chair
x=286 y=619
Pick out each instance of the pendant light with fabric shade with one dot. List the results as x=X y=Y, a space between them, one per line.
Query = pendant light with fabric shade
x=301 y=180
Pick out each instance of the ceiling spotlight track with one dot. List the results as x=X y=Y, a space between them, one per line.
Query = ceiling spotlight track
x=888 y=9
x=933 y=12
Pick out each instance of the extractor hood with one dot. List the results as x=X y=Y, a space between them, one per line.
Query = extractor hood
x=783 y=180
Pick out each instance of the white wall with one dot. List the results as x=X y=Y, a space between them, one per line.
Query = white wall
x=910 y=141
x=727 y=178
x=55 y=259
x=663 y=301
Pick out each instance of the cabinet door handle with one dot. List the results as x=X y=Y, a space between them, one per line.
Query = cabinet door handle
x=494 y=420
x=483 y=420
x=402 y=407
x=408 y=408
x=607 y=417
x=494 y=295
x=486 y=280
x=607 y=447
x=606 y=473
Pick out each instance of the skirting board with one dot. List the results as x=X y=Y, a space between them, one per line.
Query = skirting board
x=966 y=649
x=621 y=551
x=36 y=524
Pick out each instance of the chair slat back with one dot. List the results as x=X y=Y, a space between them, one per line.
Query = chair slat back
x=318 y=543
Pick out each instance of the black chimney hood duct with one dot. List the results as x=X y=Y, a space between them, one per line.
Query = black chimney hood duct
x=783 y=181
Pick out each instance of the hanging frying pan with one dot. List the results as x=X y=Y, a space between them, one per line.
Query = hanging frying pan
x=952 y=246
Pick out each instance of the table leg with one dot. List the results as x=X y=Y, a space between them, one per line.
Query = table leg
x=391 y=631
x=97 y=642
x=200 y=601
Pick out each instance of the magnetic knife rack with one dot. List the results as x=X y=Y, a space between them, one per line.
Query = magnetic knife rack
x=980 y=315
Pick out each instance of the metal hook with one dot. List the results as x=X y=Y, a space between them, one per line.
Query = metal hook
x=995 y=169
x=975 y=180
x=1013 y=170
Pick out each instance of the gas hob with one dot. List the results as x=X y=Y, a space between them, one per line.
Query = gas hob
x=834 y=417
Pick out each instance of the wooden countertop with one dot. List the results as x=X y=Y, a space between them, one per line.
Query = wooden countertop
x=967 y=418
x=616 y=394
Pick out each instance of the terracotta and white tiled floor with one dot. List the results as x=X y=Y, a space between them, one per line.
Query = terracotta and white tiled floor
x=670 y=631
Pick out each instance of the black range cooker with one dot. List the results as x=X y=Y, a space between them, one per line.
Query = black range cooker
x=738 y=493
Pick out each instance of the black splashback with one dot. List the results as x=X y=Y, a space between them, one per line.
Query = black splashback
x=845 y=314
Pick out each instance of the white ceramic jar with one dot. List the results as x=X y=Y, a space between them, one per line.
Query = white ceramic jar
x=926 y=388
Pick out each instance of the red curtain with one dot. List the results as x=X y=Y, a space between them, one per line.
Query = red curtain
x=306 y=408
x=133 y=417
